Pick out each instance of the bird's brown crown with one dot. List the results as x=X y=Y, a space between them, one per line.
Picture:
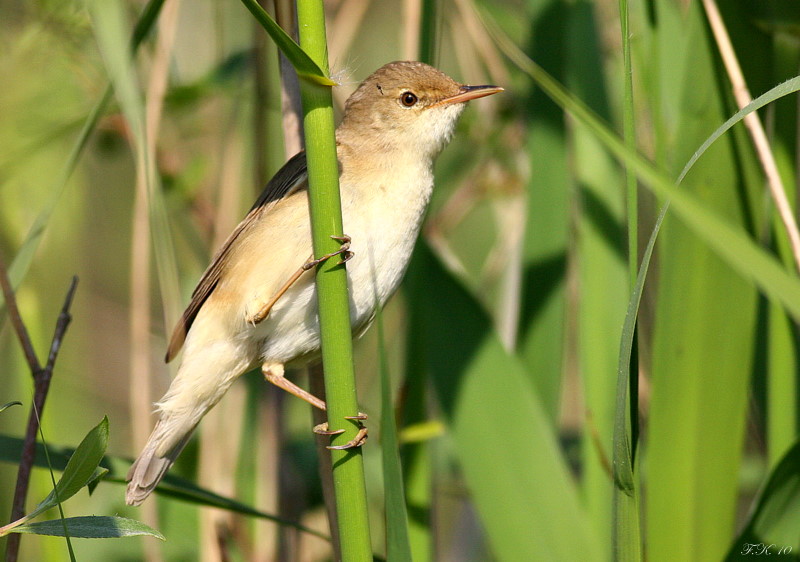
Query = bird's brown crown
x=388 y=84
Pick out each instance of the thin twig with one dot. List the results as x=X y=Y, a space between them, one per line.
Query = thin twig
x=754 y=126
x=64 y=318
x=16 y=319
x=41 y=384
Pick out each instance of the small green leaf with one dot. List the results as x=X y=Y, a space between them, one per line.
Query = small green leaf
x=9 y=404
x=91 y=527
x=776 y=518
x=81 y=469
x=302 y=63
x=94 y=480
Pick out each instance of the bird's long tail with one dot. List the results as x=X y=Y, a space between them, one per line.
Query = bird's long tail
x=205 y=375
x=151 y=465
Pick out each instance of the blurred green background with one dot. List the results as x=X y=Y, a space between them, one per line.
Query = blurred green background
x=503 y=347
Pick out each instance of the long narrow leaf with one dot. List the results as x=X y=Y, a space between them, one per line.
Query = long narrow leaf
x=302 y=63
x=397 y=542
x=779 y=91
x=512 y=464
x=627 y=534
x=774 y=525
x=109 y=25
x=9 y=404
x=91 y=527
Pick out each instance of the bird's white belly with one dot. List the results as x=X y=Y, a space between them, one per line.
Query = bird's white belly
x=382 y=239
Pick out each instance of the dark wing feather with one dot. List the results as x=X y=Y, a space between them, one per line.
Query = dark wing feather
x=288 y=180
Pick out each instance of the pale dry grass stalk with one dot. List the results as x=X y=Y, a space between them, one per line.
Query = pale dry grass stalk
x=345 y=26
x=482 y=45
x=141 y=392
x=754 y=126
x=412 y=17
x=291 y=109
x=220 y=436
x=270 y=430
x=316 y=383
x=270 y=437
x=507 y=258
x=269 y=426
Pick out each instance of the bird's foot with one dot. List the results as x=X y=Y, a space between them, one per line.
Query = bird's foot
x=344 y=251
x=357 y=441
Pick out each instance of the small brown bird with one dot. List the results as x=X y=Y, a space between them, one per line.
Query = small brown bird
x=255 y=305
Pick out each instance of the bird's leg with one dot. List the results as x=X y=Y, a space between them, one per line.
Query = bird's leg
x=274 y=374
x=264 y=309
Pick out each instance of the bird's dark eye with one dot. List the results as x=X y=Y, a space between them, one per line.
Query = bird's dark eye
x=408 y=99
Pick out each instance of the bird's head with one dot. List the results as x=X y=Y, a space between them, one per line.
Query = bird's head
x=410 y=103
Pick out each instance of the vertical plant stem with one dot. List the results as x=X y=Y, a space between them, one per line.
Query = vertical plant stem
x=629 y=134
x=140 y=381
x=427 y=32
x=334 y=310
x=627 y=535
x=270 y=429
x=417 y=458
x=291 y=110
x=754 y=126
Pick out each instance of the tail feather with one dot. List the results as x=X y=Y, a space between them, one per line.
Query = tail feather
x=150 y=467
x=211 y=362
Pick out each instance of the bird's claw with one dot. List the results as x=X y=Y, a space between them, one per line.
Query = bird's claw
x=357 y=441
x=322 y=429
x=344 y=251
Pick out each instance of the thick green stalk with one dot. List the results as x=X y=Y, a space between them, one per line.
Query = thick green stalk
x=334 y=311
x=626 y=537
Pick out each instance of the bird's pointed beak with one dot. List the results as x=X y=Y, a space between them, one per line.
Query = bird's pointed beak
x=466 y=93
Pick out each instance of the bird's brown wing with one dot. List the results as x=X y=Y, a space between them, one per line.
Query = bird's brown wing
x=289 y=179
